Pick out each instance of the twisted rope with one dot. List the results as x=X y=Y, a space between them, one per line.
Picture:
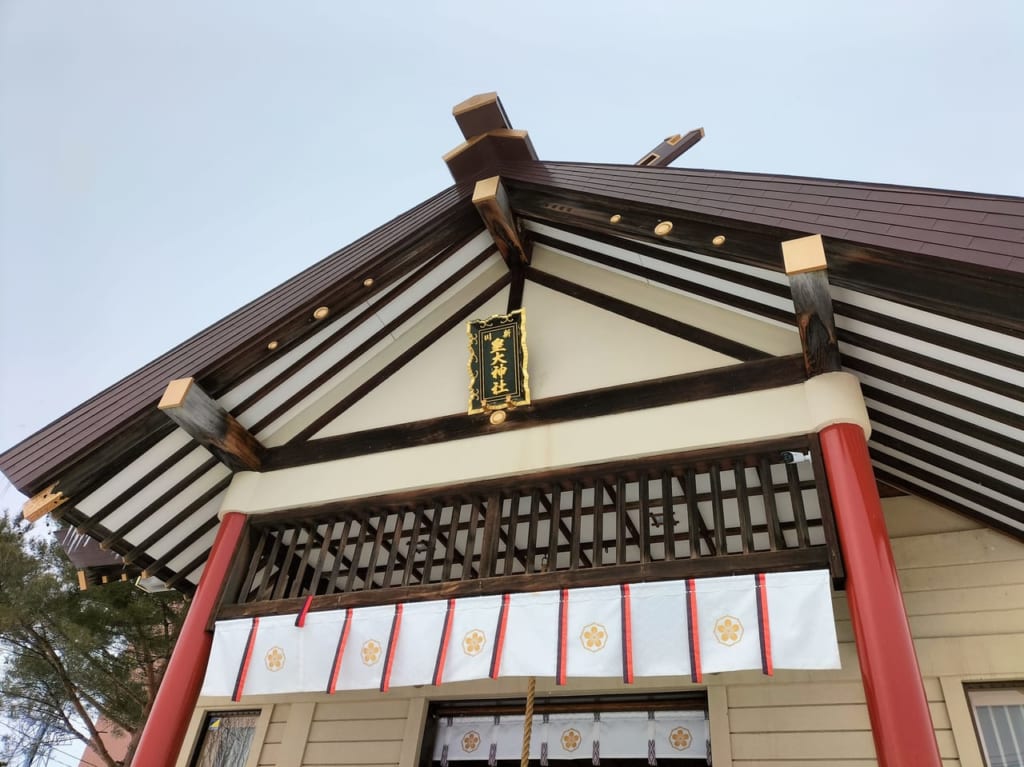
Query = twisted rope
x=531 y=691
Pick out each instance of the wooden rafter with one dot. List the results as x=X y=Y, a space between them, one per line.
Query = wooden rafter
x=209 y=424
x=699 y=336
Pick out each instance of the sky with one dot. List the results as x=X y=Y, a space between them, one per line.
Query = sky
x=162 y=164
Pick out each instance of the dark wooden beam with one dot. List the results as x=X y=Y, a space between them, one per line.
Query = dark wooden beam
x=691 y=286
x=517 y=282
x=921 y=488
x=153 y=507
x=734 y=564
x=211 y=425
x=369 y=343
x=397 y=275
x=804 y=259
x=131 y=554
x=915 y=407
x=95 y=519
x=670 y=149
x=705 y=338
x=688 y=387
x=392 y=367
x=491 y=200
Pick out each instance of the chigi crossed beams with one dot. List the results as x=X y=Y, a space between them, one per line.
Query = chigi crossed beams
x=669 y=628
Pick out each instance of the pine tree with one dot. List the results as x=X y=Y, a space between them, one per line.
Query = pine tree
x=71 y=658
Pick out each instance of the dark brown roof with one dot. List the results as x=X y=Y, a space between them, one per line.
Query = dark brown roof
x=985 y=230
x=223 y=352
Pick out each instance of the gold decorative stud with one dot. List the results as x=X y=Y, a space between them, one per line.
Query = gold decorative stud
x=368 y=282
x=718 y=240
x=272 y=345
x=320 y=312
x=615 y=219
x=663 y=228
x=498 y=417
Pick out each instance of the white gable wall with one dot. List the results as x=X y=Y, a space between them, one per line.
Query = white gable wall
x=572 y=345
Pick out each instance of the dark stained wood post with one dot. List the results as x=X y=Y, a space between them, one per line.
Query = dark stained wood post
x=492 y=526
x=804 y=259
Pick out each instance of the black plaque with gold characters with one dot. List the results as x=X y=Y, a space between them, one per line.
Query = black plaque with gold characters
x=497 y=363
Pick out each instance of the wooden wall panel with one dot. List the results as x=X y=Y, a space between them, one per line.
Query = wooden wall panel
x=357 y=732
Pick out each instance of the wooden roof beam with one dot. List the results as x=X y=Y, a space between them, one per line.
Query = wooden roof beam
x=669 y=149
x=211 y=425
x=491 y=200
x=41 y=504
x=806 y=268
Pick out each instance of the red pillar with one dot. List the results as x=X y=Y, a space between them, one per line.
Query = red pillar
x=900 y=720
x=168 y=720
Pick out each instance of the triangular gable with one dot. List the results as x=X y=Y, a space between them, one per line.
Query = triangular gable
x=574 y=346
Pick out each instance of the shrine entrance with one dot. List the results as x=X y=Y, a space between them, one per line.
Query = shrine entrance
x=602 y=731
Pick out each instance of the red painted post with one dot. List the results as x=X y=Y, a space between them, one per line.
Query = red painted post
x=900 y=720
x=168 y=720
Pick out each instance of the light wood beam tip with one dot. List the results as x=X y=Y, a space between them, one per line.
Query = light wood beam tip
x=486 y=189
x=175 y=393
x=804 y=254
x=41 y=504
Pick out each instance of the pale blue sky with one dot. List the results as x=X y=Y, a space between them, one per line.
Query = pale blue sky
x=163 y=163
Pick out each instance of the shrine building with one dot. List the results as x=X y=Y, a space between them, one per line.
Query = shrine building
x=580 y=463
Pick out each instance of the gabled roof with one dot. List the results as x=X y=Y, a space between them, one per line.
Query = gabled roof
x=927 y=285
x=984 y=230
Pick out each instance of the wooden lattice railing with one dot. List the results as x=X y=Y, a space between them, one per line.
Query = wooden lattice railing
x=713 y=513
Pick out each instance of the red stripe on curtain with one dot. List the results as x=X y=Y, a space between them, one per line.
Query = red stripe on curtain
x=389 y=660
x=563 y=630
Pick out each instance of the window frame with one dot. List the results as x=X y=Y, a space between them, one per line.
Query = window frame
x=194 y=735
x=991 y=689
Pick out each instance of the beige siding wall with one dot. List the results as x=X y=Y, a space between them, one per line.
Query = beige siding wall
x=963 y=587
x=964 y=590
